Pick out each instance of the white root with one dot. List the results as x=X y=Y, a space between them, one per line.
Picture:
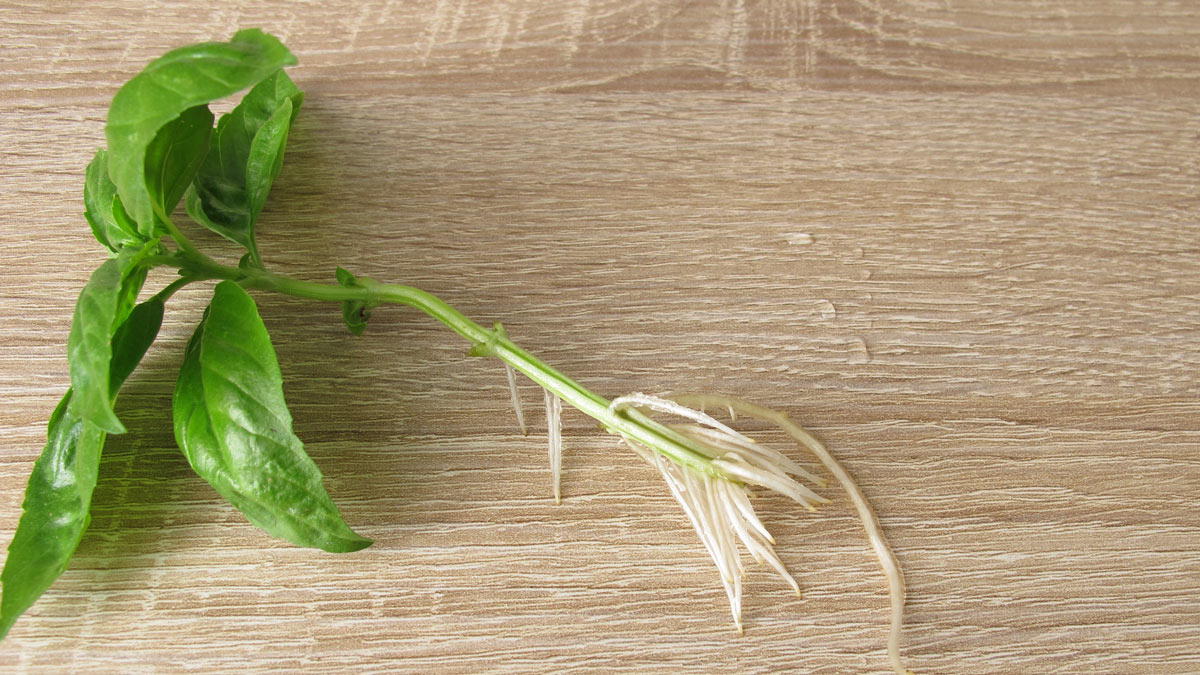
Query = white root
x=638 y=400
x=742 y=503
x=736 y=467
x=516 y=398
x=674 y=478
x=767 y=458
x=718 y=506
x=762 y=552
x=554 y=431
x=887 y=560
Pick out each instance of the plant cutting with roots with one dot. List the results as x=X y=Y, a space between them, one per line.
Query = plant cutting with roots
x=230 y=418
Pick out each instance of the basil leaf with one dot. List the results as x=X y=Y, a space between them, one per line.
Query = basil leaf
x=59 y=494
x=131 y=340
x=233 y=425
x=169 y=86
x=174 y=157
x=232 y=186
x=102 y=207
x=89 y=347
x=54 y=513
x=266 y=151
x=104 y=303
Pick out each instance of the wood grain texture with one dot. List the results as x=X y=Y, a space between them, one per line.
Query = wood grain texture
x=958 y=240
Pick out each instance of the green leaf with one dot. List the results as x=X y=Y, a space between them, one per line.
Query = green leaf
x=233 y=425
x=266 y=151
x=59 y=494
x=104 y=303
x=355 y=313
x=89 y=347
x=169 y=86
x=232 y=186
x=54 y=514
x=103 y=209
x=174 y=157
x=131 y=340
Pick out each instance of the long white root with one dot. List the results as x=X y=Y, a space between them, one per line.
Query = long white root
x=554 y=431
x=717 y=504
x=887 y=560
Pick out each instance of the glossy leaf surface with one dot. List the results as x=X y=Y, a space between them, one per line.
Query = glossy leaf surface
x=233 y=425
x=89 y=347
x=59 y=494
x=105 y=302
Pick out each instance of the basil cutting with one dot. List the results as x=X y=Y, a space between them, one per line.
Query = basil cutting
x=230 y=418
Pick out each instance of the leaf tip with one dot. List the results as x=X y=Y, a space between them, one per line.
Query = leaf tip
x=348 y=543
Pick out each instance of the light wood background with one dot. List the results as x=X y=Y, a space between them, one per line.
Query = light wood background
x=957 y=239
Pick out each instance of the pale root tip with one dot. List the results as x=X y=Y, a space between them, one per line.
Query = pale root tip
x=516 y=398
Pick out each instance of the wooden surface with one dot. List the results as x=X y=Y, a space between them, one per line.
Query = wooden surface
x=958 y=240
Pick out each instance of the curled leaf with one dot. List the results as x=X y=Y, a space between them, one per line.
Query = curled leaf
x=89 y=348
x=106 y=215
x=232 y=185
x=168 y=87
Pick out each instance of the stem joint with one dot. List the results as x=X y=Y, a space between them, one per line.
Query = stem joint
x=487 y=347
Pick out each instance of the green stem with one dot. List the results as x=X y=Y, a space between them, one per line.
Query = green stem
x=495 y=342
x=186 y=247
x=169 y=290
x=484 y=342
